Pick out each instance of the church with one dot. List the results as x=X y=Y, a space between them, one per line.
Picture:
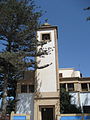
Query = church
x=38 y=94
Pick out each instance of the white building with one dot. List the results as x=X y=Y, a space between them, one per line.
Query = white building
x=69 y=72
x=78 y=87
x=38 y=93
x=43 y=102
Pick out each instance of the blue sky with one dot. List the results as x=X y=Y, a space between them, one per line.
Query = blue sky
x=73 y=31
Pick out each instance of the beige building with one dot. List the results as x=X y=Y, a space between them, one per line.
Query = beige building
x=78 y=86
x=38 y=93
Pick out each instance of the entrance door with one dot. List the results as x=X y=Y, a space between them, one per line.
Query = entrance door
x=47 y=113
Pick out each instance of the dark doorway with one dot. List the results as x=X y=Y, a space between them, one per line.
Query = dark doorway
x=47 y=113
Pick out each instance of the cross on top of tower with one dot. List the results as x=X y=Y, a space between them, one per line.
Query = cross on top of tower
x=46 y=20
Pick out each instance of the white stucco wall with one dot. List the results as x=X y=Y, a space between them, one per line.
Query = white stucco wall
x=77 y=74
x=84 y=98
x=74 y=99
x=69 y=72
x=25 y=104
x=46 y=77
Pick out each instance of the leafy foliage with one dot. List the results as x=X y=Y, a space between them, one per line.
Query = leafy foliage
x=65 y=103
x=19 y=22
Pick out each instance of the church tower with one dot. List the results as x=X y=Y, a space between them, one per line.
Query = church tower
x=47 y=77
x=47 y=95
x=38 y=92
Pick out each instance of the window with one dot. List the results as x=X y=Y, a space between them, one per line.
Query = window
x=23 y=88
x=27 y=88
x=80 y=74
x=70 y=86
x=31 y=88
x=63 y=85
x=84 y=87
x=46 y=36
x=89 y=86
x=60 y=75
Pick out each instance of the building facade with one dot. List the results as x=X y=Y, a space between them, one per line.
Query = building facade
x=39 y=95
x=78 y=87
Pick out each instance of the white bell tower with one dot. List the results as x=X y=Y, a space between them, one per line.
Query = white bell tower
x=46 y=102
x=47 y=78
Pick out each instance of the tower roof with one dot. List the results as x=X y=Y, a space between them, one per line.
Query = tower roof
x=47 y=26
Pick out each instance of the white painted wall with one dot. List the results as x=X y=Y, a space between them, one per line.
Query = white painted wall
x=25 y=104
x=74 y=99
x=46 y=77
x=69 y=72
x=84 y=98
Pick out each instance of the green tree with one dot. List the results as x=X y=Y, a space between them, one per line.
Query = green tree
x=19 y=21
x=65 y=103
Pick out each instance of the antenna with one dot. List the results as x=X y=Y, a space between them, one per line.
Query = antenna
x=79 y=67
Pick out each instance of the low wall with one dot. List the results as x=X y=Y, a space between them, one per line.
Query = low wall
x=20 y=116
x=73 y=117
